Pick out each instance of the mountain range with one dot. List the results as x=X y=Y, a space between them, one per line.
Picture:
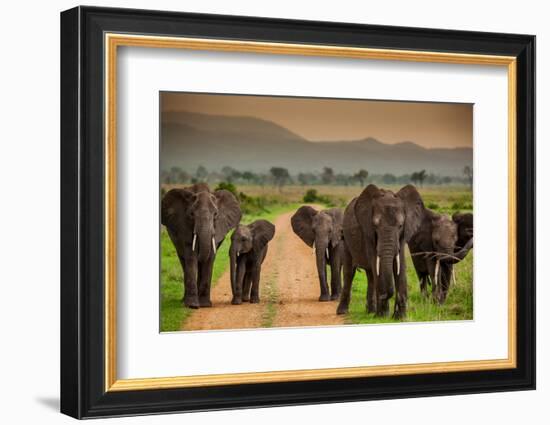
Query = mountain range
x=246 y=143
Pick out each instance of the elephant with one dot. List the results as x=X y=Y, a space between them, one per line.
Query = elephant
x=437 y=246
x=377 y=225
x=246 y=254
x=322 y=230
x=197 y=221
x=465 y=222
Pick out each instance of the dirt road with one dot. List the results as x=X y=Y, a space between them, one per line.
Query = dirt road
x=289 y=291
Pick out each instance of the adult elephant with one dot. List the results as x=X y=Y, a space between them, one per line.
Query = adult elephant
x=437 y=246
x=246 y=254
x=322 y=230
x=377 y=225
x=197 y=221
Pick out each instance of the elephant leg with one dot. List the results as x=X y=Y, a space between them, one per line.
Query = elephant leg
x=190 y=293
x=349 y=273
x=205 y=273
x=182 y=262
x=255 y=279
x=371 y=292
x=335 y=276
x=241 y=271
x=247 y=283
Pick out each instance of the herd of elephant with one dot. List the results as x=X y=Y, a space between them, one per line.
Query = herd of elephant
x=370 y=233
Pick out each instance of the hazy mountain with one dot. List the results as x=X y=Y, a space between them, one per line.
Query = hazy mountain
x=247 y=143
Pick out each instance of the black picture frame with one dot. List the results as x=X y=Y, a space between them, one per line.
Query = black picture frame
x=83 y=392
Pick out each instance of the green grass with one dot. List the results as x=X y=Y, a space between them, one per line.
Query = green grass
x=172 y=312
x=458 y=306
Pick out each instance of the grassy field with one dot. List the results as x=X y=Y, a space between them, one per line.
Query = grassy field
x=443 y=199
x=172 y=312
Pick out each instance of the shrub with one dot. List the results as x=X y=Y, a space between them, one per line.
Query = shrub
x=252 y=205
x=433 y=206
x=311 y=196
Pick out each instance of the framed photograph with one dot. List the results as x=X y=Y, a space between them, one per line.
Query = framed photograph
x=261 y=212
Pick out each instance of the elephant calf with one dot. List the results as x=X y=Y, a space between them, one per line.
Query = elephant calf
x=247 y=253
x=322 y=230
x=437 y=246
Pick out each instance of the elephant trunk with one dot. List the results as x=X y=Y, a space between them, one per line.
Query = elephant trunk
x=321 y=251
x=386 y=274
x=204 y=240
x=233 y=253
x=462 y=253
x=386 y=259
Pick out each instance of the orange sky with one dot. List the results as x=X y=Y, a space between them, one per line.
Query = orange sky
x=427 y=124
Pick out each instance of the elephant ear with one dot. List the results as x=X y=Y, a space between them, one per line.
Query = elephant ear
x=337 y=225
x=414 y=210
x=363 y=209
x=301 y=223
x=173 y=206
x=262 y=232
x=229 y=213
x=465 y=223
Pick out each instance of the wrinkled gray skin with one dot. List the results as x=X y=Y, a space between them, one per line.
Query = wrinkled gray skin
x=323 y=231
x=246 y=254
x=196 y=214
x=377 y=225
x=437 y=247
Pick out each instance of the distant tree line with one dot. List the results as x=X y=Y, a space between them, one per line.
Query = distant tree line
x=280 y=177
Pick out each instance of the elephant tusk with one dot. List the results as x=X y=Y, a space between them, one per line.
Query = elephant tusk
x=214 y=245
x=377 y=265
x=194 y=240
x=326 y=252
x=436 y=274
x=398 y=264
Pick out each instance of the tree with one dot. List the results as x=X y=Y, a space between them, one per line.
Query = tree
x=280 y=176
x=388 y=178
x=343 y=179
x=361 y=176
x=418 y=177
x=201 y=173
x=249 y=176
x=231 y=174
x=328 y=175
x=307 y=178
x=468 y=172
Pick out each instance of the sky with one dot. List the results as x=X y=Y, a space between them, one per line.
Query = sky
x=428 y=124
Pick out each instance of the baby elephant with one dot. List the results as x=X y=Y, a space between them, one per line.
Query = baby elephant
x=322 y=230
x=437 y=246
x=247 y=253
